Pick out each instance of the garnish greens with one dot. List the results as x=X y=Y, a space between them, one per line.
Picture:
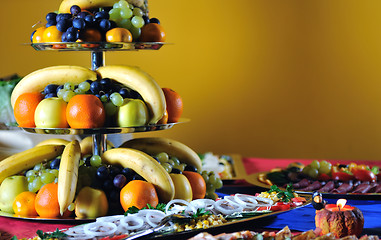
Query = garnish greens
x=284 y=196
x=133 y=209
x=56 y=234
x=200 y=212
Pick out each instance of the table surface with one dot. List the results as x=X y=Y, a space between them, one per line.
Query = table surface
x=301 y=219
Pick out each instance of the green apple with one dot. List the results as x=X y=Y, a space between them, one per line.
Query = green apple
x=51 y=113
x=9 y=189
x=183 y=189
x=91 y=203
x=132 y=113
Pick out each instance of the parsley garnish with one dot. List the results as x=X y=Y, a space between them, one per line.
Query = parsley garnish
x=133 y=209
x=284 y=196
x=56 y=234
x=200 y=212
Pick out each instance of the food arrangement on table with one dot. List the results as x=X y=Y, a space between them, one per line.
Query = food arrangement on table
x=325 y=177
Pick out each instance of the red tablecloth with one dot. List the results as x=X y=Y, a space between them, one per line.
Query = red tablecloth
x=27 y=228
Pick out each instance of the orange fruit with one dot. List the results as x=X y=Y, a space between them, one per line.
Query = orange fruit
x=46 y=202
x=38 y=34
x=197 y=183
x=118 y=35
x=52 y=34
x=85 y=111
x=23 y=205
x=174 y=105
x=24 y=108
x=138 y=193
x=90 y=35
x=152 y=32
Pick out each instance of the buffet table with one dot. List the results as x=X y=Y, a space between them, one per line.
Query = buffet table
x=301 y=219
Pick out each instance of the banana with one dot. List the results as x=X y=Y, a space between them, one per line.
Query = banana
x=53 y=141
x=137 y=3
x=27 y=159
x=143 y=83
x=87 y=145
x=37 y=80
x=68 y=174
x=145 y=166
x=155 y=145
x=85 y=4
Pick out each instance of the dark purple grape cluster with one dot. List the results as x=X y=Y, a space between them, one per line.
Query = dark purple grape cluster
x=73 y=24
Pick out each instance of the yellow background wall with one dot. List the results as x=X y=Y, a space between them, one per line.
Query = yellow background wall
x=292 y=79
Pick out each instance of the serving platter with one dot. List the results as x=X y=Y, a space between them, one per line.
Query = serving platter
x=254 y=179
x=97 y=46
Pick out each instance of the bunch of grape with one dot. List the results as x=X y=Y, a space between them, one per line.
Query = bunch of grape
x=315 y=168
x=105 y=89
x=172 y=164
x=213 y=182
x=42 y=173
x=130 y=17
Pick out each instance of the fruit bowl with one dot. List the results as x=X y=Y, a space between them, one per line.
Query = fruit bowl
x=106 y=130
x=97 y=46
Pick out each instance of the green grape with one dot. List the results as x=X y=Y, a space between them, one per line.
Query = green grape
x=78 y=91
x=95 y=160
x=212 y=179
x=30 y=187
x=85 y=86
x=36 y=184
x=54 y=172
x=137 y=21
x=68 y=95
x=205 y=175
x=47 y=177
x=137 y=12
x=116 y=99
x=218 y=184
x=115 y=14
x=315 y=164
x=69 y=86
x=110 y=109
x=313 y=173
x=38 y=167
x=306 y=169
x=325 y=167
x=181 y=166
x=71 y=207
x=56 y=180
x=123 y=4
x=175 y=160
x=125 y=23
x=104 y=98
x=135 y=32
x=30 y=173
x=61 y=92
x=116 y=5
x=170 y=161
x=210 y=187
x=167 y=166
x=30 y=178
x=162 y=157
x=125 y=13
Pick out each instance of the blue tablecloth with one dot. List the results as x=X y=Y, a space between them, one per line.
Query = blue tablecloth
x=303 y=219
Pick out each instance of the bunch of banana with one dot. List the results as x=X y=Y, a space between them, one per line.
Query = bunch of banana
x=53 y=141
x=68 y=174
x=91 y=4
x=155 y=145
x=129 y=76
x=37 y=80
x=27 y=159
x=145 y=166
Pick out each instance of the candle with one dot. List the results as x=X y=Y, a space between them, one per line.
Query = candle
x=339 y=206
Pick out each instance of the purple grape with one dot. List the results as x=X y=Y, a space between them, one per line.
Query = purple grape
x=79 y=23
x=154 y=20
x=120 y=180
x=75 y=9
x=102 y=172
x=63 y=24
x=82 y=15
x=50 y=88
x=104 y=25
x=102 y=15
x=51 y=17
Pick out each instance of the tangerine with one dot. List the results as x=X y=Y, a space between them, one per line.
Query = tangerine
x=174 y=105
x=90 y=35
x=46 y=202
x=138 y=193
x=52 y=34
x=85 y=111
x=152 y=32
x=23 y=205
x=118 y=35
x=38 y=35
x=25 y=107
x=197 y=183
